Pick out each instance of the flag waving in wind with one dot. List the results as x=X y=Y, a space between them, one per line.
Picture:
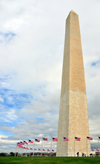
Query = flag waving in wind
x=45 y=139
x=54 y=139
x=30 y=141
x=65 y=139
x=35 y=149
x=25 y=142
x=89 y=138
x=36 y=140
x=48 y=150
x=77 y=139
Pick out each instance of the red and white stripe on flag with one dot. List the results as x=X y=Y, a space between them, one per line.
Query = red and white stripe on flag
x=54 y=139
x=89 y=138
x=65 y=139
x=77 y=139
x=30 y=141
x=45 y=139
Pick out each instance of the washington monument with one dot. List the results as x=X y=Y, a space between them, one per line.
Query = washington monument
x=73 y=114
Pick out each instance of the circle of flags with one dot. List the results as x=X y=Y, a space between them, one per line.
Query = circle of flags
x=23 y=143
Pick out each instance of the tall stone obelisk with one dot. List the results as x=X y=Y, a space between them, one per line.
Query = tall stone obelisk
x=73 y=115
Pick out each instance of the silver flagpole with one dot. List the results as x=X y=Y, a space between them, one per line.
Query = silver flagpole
x=34 y=146
x=67 y=146
x=42 y=146
x=18 y=151
x=51 y=147
x=30 y=152
x=15 y=150
x=56 y=146
x=74 y=145
x=62 y=147
x=86 y=146
x=27 y=148
x=98 y=142
x=22 y=151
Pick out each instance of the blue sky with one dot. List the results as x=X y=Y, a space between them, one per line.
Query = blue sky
x=31 y=55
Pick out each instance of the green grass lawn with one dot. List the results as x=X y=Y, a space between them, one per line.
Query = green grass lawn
x=49 y=160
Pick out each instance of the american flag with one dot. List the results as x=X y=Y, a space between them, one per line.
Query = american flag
x=30 y=141
x=39 y=149
x=25 y=142
x=99 y=138
x=36 y=140
x=48 y=150
x=65 y=139
x=89 y=138
x=20 y=146
x=54 y=139
x=45 y=139
x=52 y=150
x=77 y=139
x=43 y=149
x=21 y=143
x=97 y=150
x=31 y=149
x=35 y=149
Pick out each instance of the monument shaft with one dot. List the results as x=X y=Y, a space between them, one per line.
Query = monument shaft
x=73 y=114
